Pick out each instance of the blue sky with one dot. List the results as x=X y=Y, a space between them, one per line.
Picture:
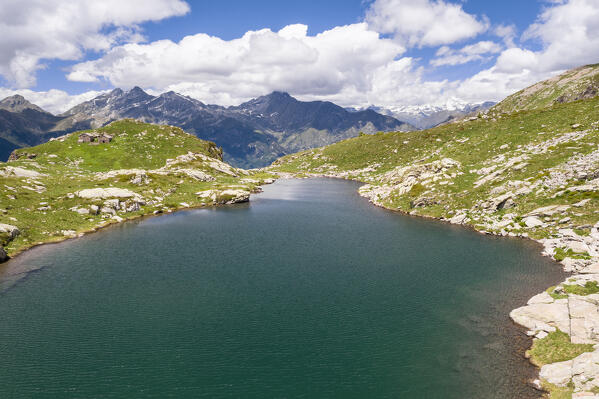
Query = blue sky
x=230 y=19
x=394 y=53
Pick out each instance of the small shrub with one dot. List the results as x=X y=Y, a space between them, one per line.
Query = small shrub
x=417 y=189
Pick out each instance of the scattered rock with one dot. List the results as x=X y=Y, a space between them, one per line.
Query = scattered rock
x=548 y=210
x=12 y=231
x=13 y=171
x=558 y=374
x=234 y=196
x=460 y=218
x=532 y=221
x=543 y=297
x=544 y=316
x=103 y=193
x=582 y=203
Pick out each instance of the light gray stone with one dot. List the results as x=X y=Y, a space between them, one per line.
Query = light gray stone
x=558 y=374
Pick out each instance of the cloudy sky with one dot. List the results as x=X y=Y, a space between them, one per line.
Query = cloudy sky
x=389 y=53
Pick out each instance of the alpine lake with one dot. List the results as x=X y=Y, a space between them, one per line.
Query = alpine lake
x=308 y=291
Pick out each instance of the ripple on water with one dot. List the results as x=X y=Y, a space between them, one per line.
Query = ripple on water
x=309 y=291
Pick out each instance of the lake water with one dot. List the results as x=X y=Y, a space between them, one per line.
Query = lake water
x=307 y=292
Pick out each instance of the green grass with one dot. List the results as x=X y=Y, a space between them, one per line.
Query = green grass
x=556 y=347
x=562 y=253
x=135 y=145
x=556 y=295
x=590 y=287
x=556 y=392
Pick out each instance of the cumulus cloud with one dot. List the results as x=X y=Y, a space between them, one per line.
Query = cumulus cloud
x=35 y=30
x=355 y=65
x=474 y=52
x=54 y=101
x=424 y=22
x=507 y=33
x=569 y=33
x=342 y=59
x=569 y=36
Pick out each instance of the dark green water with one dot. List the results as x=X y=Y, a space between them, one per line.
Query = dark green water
x=308 y=292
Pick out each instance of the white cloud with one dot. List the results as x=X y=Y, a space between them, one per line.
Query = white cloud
x=54 y=101
x=36 y=30
x=424 y=22
x=214 y=70
x=569 y=35
x=507 y=33
x=352 y=65
x=474 y=52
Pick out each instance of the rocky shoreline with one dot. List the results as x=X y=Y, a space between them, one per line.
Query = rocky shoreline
x=558 y=309
x=232 y=197
x=573 y=311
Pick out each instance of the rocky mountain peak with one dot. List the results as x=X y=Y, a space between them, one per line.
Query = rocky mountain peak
x=116 y=93
x=18 y=103
x=137 y=93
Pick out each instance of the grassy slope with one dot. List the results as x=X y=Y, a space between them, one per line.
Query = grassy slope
x=68 y=166
x=567 y=87
x=473 y=144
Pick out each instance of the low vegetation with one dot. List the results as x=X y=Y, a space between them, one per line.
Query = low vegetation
x=590 y=287
x=556 y=347
x=556 y=392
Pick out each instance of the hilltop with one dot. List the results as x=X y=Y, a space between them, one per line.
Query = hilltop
x=530 y=173
x=576 y=84
x=252 y=134
x=64 y=187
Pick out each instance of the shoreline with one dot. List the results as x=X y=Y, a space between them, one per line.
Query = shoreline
x=113 y=222
x=520 y=330
x=528 y=328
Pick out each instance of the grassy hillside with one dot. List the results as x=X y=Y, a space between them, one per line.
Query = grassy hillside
x=497 y=168
x=576 y=84
x=48 y=194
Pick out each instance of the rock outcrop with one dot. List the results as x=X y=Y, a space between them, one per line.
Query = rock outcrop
x=104 y=193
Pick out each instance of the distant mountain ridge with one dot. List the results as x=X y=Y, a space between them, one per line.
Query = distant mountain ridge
x=252 y=134
x=428 y=116
x=23 y=124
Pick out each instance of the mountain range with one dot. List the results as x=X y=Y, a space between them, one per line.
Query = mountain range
x=252 y=134
x=429 y=116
